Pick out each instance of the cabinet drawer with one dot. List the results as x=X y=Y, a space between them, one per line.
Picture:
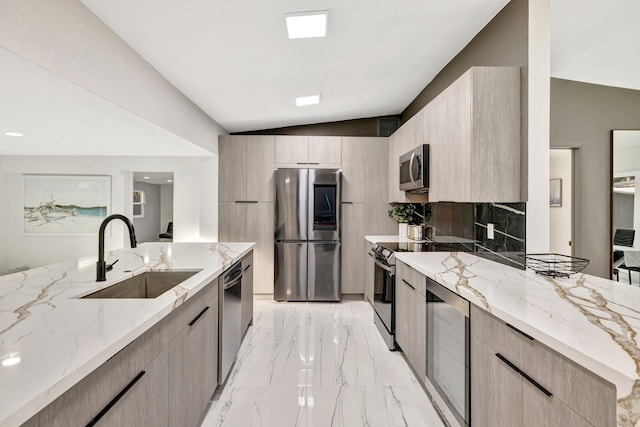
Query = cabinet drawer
x=589 y=395
x=191 y=308
x=412 y=276
x=86 y=399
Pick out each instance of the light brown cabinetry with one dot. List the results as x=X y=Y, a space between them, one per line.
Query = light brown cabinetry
x=251 y=222
x=473 y=132
x=352 y=241
x=510 y=372
x=193 y=359
x=246 y=311
x=308 y=151
x=165 y=377
x=411 y=316
x=354 y=152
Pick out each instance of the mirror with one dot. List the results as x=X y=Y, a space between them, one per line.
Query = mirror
x=152 y=206
x=625 y=206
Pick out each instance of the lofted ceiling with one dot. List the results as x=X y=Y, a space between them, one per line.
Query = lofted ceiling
x=234 y=60
x=60 y=118
x=596 y=41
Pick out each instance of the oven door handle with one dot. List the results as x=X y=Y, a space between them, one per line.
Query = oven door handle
x=382 y=266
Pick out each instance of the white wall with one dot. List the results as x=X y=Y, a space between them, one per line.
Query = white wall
x=66 y=38
x=560 y=230
x=538 y=126
x=194 y=189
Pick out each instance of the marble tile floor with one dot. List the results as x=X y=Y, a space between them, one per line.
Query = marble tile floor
x=317 y=365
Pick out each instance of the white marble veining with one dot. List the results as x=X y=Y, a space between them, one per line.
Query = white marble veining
x=593 y=321
x=319 y=364
x=394 y=238
x=60 y=338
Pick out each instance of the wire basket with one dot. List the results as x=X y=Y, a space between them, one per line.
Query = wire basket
x=555 y=265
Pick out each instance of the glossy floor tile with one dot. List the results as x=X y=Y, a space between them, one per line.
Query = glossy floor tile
x=318 y=364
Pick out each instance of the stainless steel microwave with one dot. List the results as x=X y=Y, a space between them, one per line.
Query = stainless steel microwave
x=414 y=170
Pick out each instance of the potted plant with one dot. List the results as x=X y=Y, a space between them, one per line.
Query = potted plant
x=403 y=214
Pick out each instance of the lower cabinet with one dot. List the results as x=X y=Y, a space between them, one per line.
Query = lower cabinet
x=518 y=381
x=246 y=310
x=163 y=378
x=411 y=317
x=193 y=368
x=352 y=242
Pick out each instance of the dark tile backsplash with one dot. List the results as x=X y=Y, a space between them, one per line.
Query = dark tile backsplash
x=469 y=221
x=509 y=222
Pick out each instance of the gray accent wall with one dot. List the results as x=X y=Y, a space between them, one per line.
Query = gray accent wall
x=148 y=227
x=582 y=117
x=502 y=42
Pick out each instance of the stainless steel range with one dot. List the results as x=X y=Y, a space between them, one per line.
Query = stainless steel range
x=384 y=286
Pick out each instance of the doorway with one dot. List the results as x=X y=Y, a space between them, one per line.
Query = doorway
x=561 y=183
x=153 y=206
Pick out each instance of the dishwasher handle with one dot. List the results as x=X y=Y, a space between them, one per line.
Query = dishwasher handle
x=235 y=282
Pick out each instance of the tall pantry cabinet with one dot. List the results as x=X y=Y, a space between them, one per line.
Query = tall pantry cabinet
x=246 y=209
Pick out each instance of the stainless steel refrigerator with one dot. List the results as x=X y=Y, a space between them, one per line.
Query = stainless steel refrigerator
x=307 y=235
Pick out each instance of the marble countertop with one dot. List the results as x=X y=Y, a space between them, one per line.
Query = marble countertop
x=394 y=238
x=592 y=321
x=60 y=339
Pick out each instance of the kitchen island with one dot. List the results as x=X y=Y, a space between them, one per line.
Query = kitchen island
x=591 y=321
x=56 y=339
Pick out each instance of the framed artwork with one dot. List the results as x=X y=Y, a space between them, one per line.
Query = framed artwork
x=138 y=204
x=555 y=193
x=65 y=204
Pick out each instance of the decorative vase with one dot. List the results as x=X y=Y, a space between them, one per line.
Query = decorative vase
x=403 y=229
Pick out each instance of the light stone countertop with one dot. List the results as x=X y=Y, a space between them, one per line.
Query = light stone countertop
x=397 y=239
x=60 y=339
x=592 y=321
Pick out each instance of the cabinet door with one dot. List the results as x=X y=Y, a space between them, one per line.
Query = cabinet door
x=232 y=168
x=542 y=410
x=232 y=222
x=369 y=273
x=260 y=161
x=247 y=292
x=418 y=330
x=291 y=150
x=193 y=365
x=260 y=229
x=395 y=150
x=354 y=162
x=145 y=403
x=352 y=248
x=496 y=389
x=325 y=150
x=403 y=313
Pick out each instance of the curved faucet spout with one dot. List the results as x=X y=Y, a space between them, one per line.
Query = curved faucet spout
x=101 y=266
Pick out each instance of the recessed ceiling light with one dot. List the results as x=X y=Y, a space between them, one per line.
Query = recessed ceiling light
x=169 y=180
x=10 y=361
x=14 y=134
x=147 y=177
x=303 y=100
x=306 y=25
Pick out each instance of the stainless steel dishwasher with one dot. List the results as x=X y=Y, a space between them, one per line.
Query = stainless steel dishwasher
x=230 y=328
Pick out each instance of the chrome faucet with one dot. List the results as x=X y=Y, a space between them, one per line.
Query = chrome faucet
x=101 y=266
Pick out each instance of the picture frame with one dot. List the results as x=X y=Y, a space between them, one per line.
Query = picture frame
x=138 y=204
x=555 y=192
x=65 y=205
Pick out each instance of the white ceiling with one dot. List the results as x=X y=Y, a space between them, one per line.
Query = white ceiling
x=234 y=60
x=596 y=41
x=60 y=118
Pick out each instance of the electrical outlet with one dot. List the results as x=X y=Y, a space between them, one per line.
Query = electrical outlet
x=490 y=231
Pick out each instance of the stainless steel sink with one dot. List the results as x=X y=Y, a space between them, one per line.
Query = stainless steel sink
x=149 y=284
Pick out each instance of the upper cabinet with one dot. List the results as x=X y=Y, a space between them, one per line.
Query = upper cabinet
x=246 y=168
x=473 y=132
x=308 y=151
